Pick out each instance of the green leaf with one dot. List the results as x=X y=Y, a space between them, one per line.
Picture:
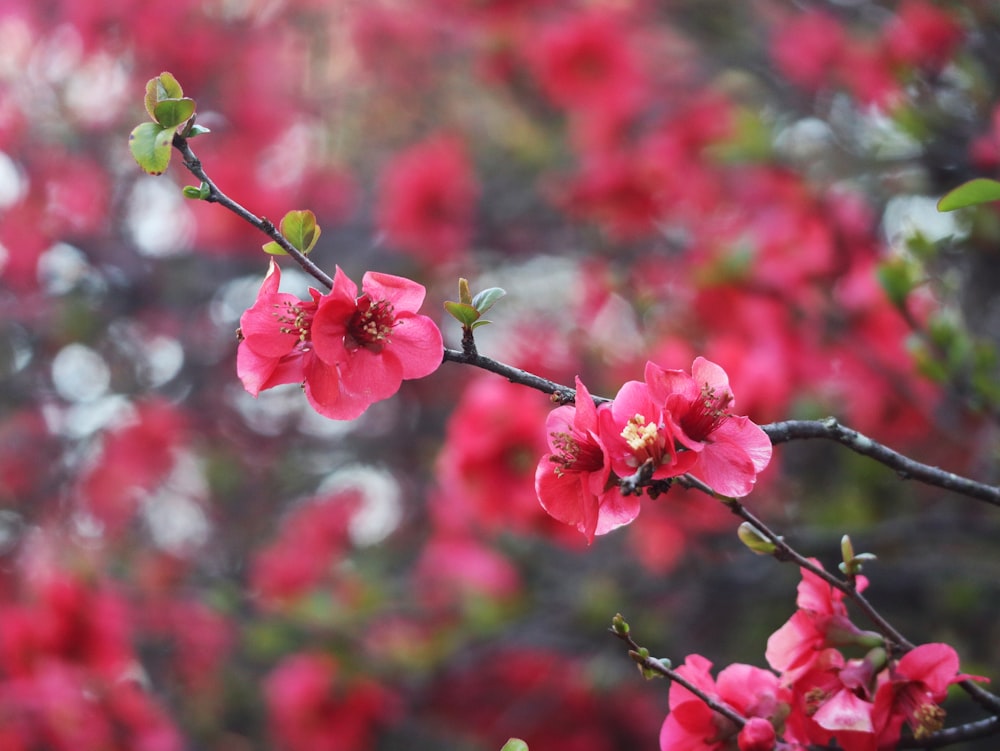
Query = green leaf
x=481 y=322
x=150 y=145
x=172 y=112
x=300 y=229
x=273 y=249
x=487 y=298
x=464 y=314
x=164 y=86
x=515 y=744
x=972 y=193
x=195 y=130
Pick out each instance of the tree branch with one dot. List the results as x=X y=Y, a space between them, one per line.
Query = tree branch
x=906 y=468
x=193 y=164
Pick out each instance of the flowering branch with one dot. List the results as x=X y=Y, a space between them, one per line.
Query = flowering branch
x=650 y=666
x=778 y=432
x=785 y=552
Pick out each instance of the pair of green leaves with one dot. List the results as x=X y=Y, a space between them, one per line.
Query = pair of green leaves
x=301 y=231
x=171 y=111
x=469 y=310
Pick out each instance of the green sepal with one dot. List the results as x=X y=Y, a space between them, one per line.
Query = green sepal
x=301 y=230
x=150 y=144
x=463 y=313
x=515 y=744
x=975 y=192
x=164 y=86
x=486 y=299
x=173 y=112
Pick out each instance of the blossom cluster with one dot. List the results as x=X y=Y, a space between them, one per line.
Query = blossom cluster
x=817 y=696
x=347 y=350
x=670 y=424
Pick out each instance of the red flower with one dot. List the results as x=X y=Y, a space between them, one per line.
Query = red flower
x=428 y=199
x=310 y=709
x=348 y=351
x=730 y=450
x=917 y=685
x=574 y=481
x=586 y=62
x=374 y=341
x=750 y=691
x=821 y=621
x=276 y=344
x=922 y=35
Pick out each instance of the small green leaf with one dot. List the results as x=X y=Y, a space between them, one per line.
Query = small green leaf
x=150 y=145
x=173 y=112
x=515 y=744
x=972 y=193
x=481 y=322
x=273 y=249
x=487 y=298
x=300 y=229
x=464 y=295
x=164 y=86
x=464 y=314
x=195 y=130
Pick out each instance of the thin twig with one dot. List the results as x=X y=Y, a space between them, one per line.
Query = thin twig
x=193 y=164
x=656 y=666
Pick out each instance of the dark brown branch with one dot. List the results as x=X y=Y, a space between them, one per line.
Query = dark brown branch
x=906 y=468
x=193 y=164
x=656 y=666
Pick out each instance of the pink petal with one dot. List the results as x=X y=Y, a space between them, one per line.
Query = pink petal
x=616 y=510
x=726 y=468
x=416 y=342
x=370 y=377
x=404 y=294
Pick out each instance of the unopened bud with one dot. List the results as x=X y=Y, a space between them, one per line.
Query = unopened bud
x=619 y=625
x=755 y=540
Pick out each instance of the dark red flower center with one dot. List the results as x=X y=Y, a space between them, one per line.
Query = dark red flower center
x=294 y=319
x=573 y=456
x=707 y=413
x=371 y=324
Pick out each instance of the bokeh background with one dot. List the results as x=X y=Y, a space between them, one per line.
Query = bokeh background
x=183 y=566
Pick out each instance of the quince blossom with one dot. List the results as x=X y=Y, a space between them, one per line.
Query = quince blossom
x=752 y=692
x=730 y=450
x=348 y=351
x=574 y=482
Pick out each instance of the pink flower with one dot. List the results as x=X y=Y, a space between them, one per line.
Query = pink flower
x=637 y=431
x=428 y=199
x=574 y=482
x=750 y=691
x=276 y=340
x=374 y=341
x=730 y=450
x=348 y=351
x=821 y=621
x=917 y=685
